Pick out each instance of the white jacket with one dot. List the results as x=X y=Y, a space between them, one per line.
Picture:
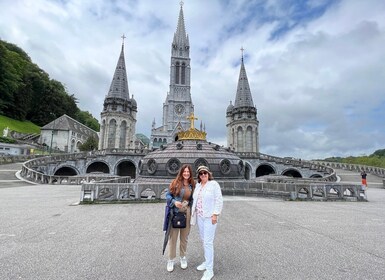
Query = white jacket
x=212 y=201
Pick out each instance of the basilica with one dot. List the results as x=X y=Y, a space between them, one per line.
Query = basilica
x=118 y=118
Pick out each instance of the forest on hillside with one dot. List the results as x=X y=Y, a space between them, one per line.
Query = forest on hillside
x=28 y=93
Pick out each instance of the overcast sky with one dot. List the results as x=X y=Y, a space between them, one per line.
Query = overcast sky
x=316 y=68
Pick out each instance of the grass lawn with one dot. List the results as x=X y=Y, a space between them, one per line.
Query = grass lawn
x=19 y=126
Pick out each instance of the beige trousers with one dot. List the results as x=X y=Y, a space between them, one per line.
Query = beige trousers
x=183 y=236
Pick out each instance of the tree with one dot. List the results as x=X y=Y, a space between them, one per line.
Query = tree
x=90 y=144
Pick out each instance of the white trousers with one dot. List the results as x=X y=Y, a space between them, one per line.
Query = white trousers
x=207 y=234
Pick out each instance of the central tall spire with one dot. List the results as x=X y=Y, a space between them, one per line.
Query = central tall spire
x=180 y=44
x=178 y=104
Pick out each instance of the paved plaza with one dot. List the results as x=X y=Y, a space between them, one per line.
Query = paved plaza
x=46 y=234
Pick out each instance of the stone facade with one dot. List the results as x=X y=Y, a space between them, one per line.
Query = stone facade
x=65 y=134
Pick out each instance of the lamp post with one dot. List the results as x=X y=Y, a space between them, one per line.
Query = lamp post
x=53 y=128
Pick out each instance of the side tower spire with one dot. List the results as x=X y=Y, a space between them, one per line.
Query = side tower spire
x=178 y=104
x=242 y=123
x=118 y=118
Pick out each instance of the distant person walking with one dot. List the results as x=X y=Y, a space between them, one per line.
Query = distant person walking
x=207 y=206
x=363 y=178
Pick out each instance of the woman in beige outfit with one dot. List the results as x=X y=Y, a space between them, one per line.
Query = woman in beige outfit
x=179 y=198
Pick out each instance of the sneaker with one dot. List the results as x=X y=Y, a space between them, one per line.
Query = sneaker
x=209 y=274
x=183 y=262
x=170 y=266
x=201 y=267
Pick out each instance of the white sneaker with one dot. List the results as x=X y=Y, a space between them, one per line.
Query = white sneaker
x=183 y=262
x=209 y=274
x=170 y=266
x=201 y=267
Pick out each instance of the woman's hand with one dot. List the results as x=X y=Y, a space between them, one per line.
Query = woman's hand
x=214 y=219
x=178 y=204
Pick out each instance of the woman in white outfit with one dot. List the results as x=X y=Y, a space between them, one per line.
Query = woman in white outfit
x=207 y=206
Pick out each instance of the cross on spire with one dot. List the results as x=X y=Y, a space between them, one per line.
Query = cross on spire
x=123 y=37
x=181 y=3
x=242 y=49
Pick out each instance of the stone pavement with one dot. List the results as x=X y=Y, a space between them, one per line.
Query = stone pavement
x=45 y=234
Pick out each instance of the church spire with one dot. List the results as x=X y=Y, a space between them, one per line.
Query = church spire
x=181 y=42
x=243 y=97
x=119 y=85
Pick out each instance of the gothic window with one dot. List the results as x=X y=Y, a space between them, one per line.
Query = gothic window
x=173 y=166
x=249 y=139
x=240 y=146
x=151 y=166
x=224 y=166
x=183 y=74
x=111 y=134
x=177 y=71
x=123 y=132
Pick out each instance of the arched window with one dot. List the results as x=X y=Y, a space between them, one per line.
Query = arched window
x=183 y=74
x=240 y=139
x=123 y=132
x=111 y=134
x=177 y=71
x=249 y=139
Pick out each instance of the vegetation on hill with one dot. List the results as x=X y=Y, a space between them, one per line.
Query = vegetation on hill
x=27 y=92
x=376 y=159
x=26 y=127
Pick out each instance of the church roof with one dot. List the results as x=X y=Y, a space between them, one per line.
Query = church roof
x=243 y=97
x=119 y=84
x=67 y=123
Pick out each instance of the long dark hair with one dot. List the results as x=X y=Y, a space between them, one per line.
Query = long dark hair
x=177 y=183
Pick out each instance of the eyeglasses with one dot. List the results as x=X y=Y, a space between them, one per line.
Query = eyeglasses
x=202 y=173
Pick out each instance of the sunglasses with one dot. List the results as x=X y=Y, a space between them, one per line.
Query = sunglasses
x=203 y=173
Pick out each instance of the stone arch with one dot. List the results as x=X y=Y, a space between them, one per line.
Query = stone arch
x=66 y=171
x=291 y=172
x=126 y=168
x=264 y=169
x=315 y=176
x=98 y=166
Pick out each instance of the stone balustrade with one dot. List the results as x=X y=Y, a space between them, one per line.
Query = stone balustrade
x=103 y=192
x=378 y=171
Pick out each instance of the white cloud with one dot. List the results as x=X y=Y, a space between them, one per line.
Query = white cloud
x=318 y=87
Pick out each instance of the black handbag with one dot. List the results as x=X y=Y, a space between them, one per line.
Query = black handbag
x=179 y=220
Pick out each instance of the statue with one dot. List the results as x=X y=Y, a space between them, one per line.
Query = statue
x=5 y=131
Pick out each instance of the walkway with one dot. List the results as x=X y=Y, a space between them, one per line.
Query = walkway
x=44 y=234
